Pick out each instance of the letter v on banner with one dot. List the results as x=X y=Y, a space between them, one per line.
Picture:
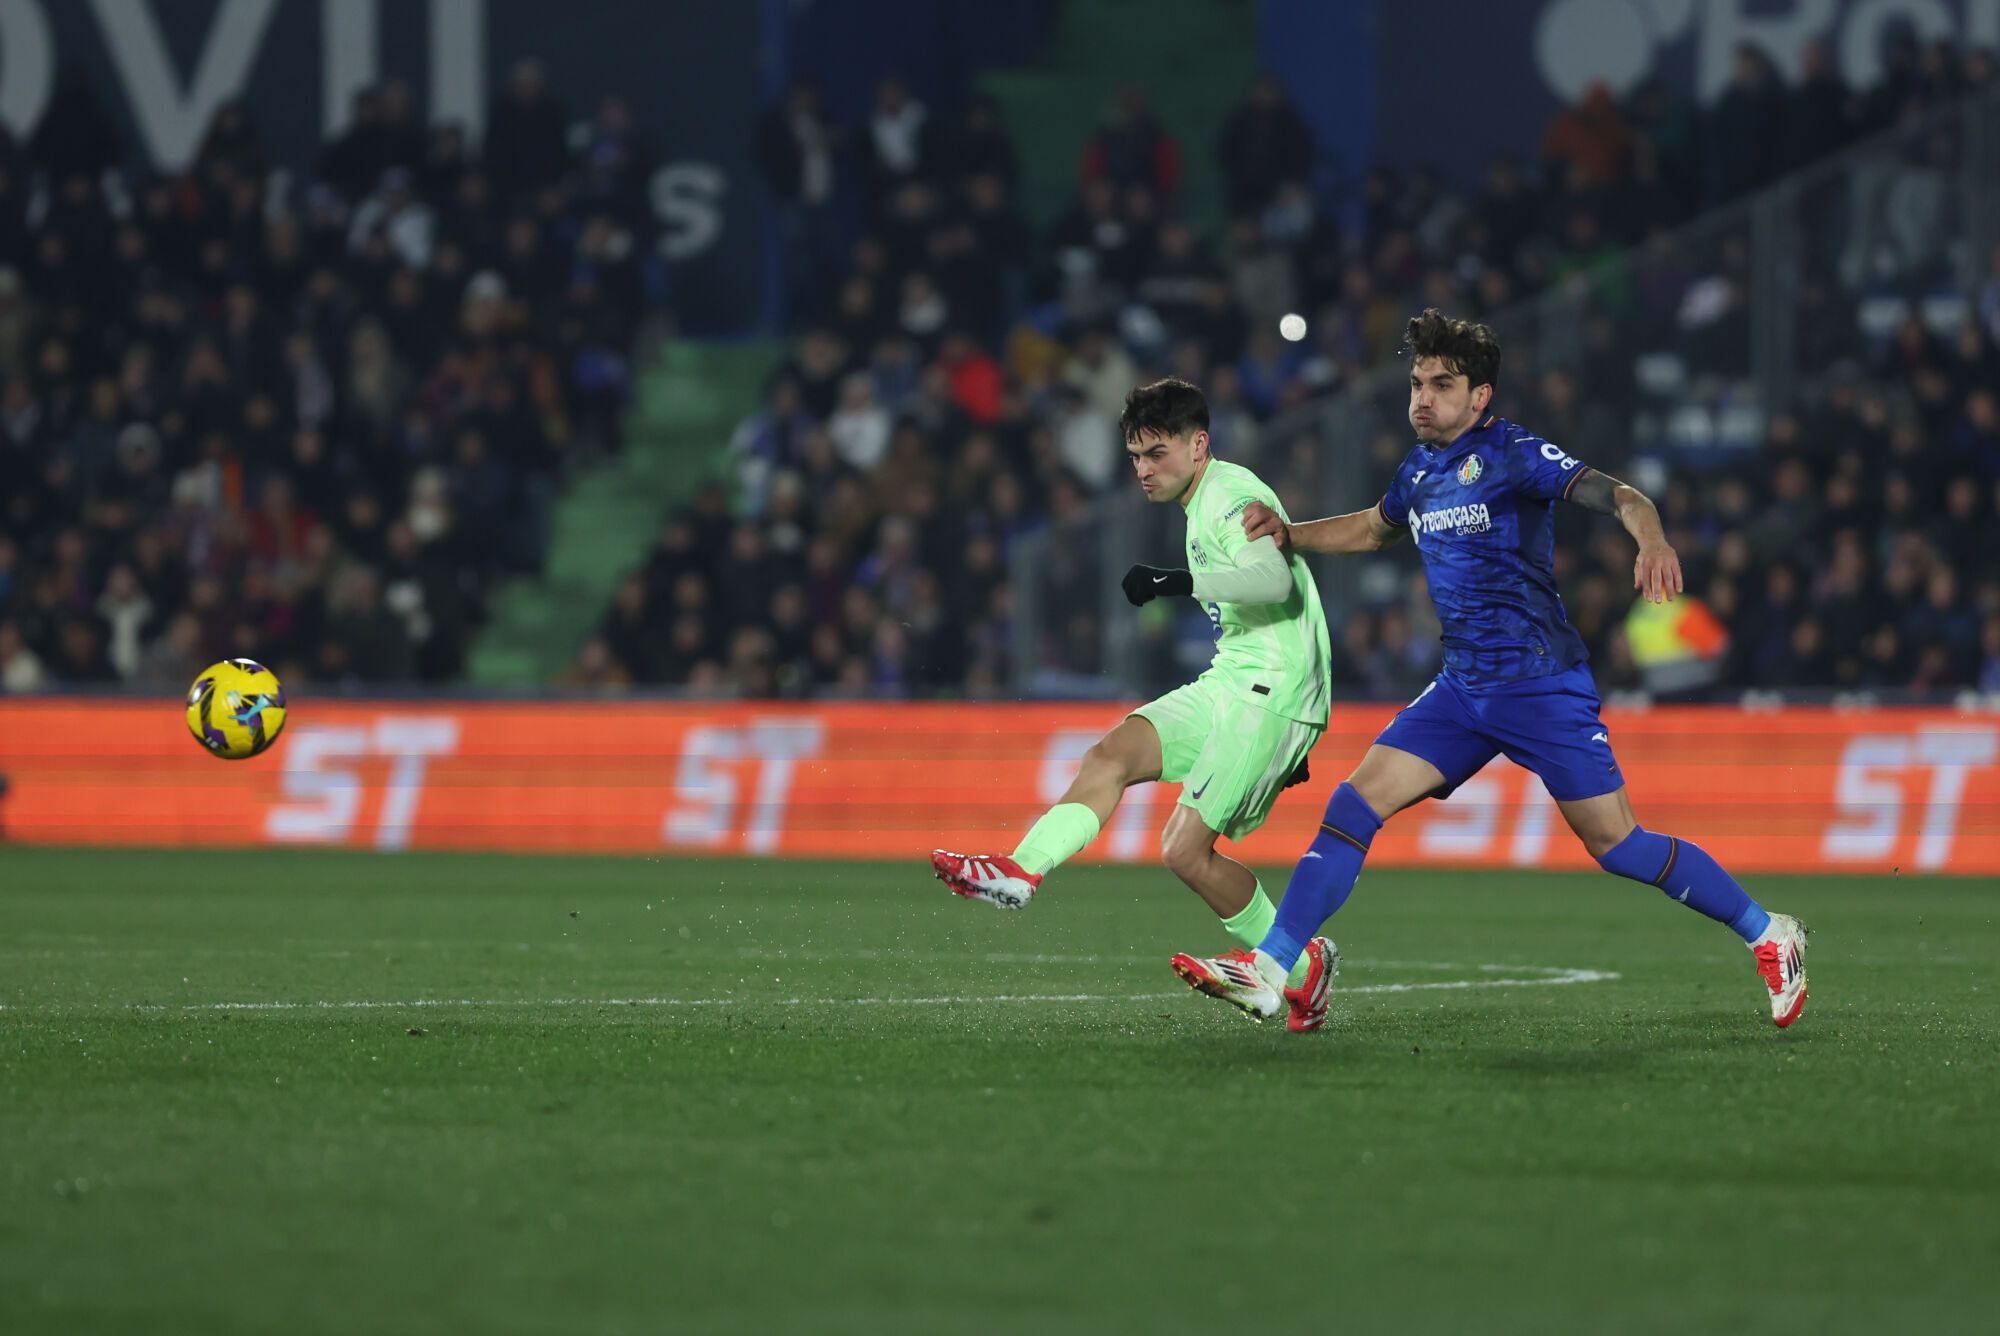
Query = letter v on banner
x=171 y=118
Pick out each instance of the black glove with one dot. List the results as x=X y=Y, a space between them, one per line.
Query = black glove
x=1143 y=584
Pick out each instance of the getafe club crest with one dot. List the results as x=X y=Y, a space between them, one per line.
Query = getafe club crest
x=1469 y=471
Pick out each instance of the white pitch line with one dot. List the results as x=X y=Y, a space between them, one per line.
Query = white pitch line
x=1552 y=976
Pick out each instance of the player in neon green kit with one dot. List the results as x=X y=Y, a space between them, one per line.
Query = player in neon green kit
x=1235 y=736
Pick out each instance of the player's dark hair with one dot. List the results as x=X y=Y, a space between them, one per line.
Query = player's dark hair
x=1466 y=349
x=1167 y=407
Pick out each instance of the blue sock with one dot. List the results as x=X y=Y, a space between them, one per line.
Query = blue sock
x=1686 y=873
x=1325 y=875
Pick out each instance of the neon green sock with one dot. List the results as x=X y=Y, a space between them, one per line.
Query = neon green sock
x=1058 y=837
x=1249 y=924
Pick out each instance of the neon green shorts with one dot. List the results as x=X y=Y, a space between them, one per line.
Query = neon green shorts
x=1230 y=757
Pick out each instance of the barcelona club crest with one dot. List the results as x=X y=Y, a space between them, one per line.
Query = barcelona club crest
x=1469 y=471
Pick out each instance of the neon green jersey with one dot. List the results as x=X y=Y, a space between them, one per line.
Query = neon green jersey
x=1275 y=654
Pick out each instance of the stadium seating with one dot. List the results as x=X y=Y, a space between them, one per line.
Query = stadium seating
x=313 y=426
x=890 y=465
x=323 y=426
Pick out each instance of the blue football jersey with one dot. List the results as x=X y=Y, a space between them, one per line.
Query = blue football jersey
x=1482 y=513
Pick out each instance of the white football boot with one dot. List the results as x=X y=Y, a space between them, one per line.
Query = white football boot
x=1236 y=978
x=994 y=878
x=1781 y=960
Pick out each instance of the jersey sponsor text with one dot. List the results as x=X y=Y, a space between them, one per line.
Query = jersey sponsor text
x=1461 y=520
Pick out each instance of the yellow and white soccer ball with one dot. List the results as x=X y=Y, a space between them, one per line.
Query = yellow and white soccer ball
x=236 y=708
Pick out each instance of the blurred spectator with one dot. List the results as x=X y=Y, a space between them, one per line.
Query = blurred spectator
x=1591 y=139
x=981 y=146
x=526 y=133
x=1132 y=148
x=859 y=426
x=126 y=612
x=364 y=641
x=1746 y=129
x=901 y=145
x=20 y=667
x=616 y=163
x=1263 y=144
x=353 y=161
x=395 y=213
x=76 y=135
x=1822 y=113
x=1666 y=147
x=1976 y=438
x=798 y=155
x=596 y=669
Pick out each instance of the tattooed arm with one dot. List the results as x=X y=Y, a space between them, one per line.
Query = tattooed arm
x=1657 y=572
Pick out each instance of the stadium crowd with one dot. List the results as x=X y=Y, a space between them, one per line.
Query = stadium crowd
x=306 y=425
x=957 y=384
x=315 y=424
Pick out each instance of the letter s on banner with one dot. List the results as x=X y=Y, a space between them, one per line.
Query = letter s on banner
x=327 y=798
x=688 y=201
x=1868 y=793
x=705 y=790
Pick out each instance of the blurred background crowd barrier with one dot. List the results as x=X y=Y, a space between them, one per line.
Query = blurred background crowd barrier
x=1806 y=788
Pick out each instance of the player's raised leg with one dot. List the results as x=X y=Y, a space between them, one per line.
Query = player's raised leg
x=1684 y=871
x=1129 y=754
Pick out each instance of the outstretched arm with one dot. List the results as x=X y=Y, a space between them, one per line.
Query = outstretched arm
x=1657 y=572
x=1362 y=531
x=1261 y=575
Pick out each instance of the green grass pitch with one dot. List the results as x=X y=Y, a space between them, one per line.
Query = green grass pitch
x=637 y=1095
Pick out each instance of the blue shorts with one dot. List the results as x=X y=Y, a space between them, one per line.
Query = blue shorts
x=1545 y=724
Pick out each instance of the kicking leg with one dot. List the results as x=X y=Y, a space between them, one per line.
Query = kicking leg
x=1129 y=754
x=1685 y=872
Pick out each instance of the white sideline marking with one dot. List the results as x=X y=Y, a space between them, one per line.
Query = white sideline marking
x=1545 y=975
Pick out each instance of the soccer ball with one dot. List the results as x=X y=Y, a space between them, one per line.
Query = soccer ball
x=236 y=708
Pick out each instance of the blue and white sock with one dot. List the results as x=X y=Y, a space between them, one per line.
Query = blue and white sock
x=1686 y=873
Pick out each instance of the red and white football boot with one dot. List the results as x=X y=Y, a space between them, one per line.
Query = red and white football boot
x=994 y=878
x=1234 y=978
x=1781 y=960
x=1306 y=1004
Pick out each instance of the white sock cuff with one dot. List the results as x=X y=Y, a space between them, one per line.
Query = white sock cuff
x=1271 y=971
